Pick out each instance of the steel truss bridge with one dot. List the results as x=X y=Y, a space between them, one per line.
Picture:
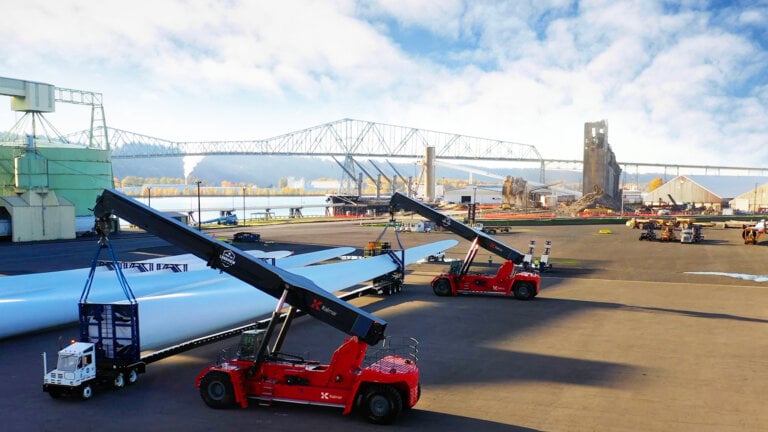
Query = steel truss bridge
x=348 y=138
x=344 y=138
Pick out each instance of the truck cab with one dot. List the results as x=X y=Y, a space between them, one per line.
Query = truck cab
x=75 y=368
x=106 y=355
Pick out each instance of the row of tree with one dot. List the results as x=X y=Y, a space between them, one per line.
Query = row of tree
x=173 y=186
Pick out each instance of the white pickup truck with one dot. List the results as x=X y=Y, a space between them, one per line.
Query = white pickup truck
x=439 y=256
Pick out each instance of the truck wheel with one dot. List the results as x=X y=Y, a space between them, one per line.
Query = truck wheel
x=216 y=390
x=86 y=391
x=396 y=287
x=133 y=376
x=442 y=287
x=119 y=381
x=524 y=291
x=54 y=393
x=383 y=404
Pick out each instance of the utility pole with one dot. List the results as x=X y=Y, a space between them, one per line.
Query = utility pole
x=754 y=203
x=199 y=219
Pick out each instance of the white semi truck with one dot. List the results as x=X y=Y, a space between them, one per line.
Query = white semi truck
x=107 y=353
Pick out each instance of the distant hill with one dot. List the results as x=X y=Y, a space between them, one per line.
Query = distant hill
x=260 y=170
x=263 y=170
x=148 y=167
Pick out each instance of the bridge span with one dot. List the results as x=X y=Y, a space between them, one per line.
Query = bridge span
x=348 y=138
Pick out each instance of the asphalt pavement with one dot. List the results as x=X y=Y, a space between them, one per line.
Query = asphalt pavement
x=625 y=336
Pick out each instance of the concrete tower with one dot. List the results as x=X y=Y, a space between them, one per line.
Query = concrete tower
x=600 y=166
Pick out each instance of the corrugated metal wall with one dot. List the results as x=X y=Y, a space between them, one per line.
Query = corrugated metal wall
x=76 y=174
x=753 y=200
x=683 y=190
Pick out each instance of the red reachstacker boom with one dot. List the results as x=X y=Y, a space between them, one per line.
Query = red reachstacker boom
x=379 y=382
x=507 y=281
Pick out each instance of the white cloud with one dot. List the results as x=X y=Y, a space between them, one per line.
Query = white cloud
x=674 y=86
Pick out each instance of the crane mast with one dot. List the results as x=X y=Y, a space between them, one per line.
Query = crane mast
x=296 y=290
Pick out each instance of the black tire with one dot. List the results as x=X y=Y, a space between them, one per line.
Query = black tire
x=418 y=397
x=442 y=287
x=55 y=393
x=119 y=381
x=86 y=391
x=524 y=291
x=216 y=390
x=133 y=376
x=382 y=404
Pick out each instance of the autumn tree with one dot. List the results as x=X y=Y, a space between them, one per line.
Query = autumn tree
x=655 y=184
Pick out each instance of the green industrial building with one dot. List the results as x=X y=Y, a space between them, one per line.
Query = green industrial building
x=47 y=184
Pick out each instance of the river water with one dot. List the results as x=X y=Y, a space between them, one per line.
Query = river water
x=248 y=207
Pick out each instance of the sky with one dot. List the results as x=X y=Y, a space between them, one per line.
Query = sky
x=679 y=82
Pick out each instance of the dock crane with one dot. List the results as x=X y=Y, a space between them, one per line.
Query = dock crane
x=376 y=181
x=358 y=180
x=407 y=182
x=392 y=181
x=380 y=387
x=523 y=285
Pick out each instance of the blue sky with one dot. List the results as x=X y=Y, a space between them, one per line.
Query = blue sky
x=681 y=82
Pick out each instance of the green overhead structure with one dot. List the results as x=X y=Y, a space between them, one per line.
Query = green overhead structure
x=47 y=183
